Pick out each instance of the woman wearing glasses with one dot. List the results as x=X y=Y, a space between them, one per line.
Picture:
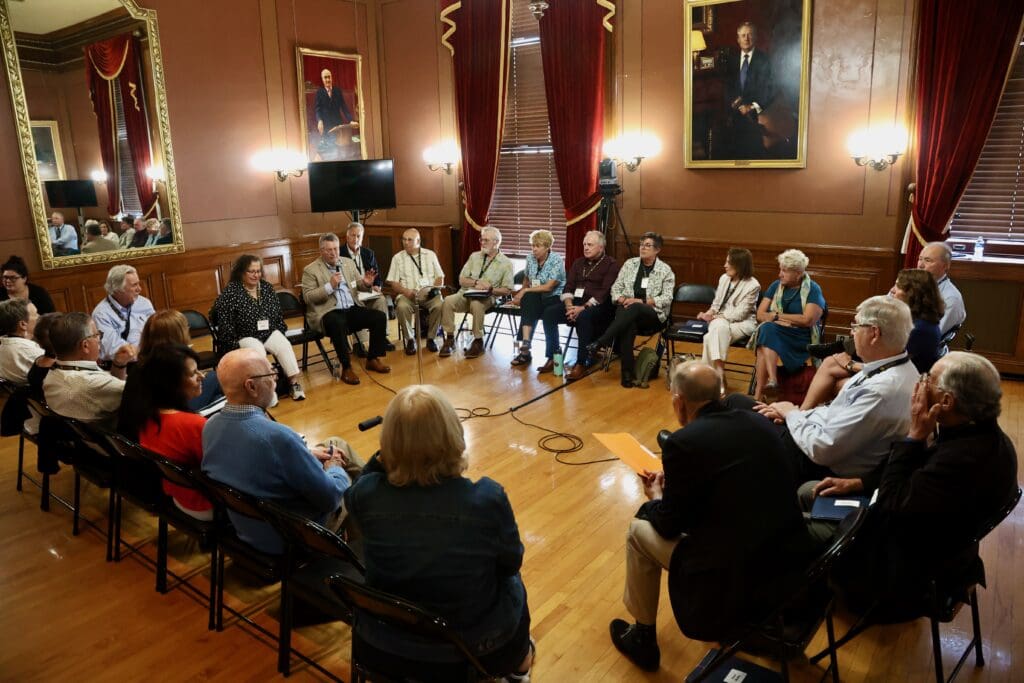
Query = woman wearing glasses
x=17 y=286
x=157 y=415
x=247 y=314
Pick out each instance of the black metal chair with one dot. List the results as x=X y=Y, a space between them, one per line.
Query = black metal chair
x=199 y=326
x=950 y=335
x=92 y=461
x=369 y=663
x=16 y=406
x=796 y=616
x=504 y=312
x=313 y=554
x=294 y=307
x=170 y=514
x=944 y=601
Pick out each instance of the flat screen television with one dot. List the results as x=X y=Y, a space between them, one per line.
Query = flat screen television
x=64 y=194
x=352 y=185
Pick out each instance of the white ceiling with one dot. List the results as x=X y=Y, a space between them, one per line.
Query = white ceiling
x=46 y=16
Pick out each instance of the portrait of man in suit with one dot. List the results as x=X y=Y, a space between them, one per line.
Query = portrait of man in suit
x=750 y=89
x=330 y=98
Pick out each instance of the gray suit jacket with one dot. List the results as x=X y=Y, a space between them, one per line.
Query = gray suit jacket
x=320 y=302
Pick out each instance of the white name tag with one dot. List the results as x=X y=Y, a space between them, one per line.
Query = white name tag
x=424 y=282
x=643 y=283
x=262 y=325
x=354 y=284
x=578 y=294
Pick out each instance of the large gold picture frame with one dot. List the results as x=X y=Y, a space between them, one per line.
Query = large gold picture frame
x=753 y=115
x=332 y=123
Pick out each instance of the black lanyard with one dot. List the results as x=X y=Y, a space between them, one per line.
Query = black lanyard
x=355 y=259
x=485 y=266
x=880 y=369
x=586 y=273
x=126 y=319
x=415 y=263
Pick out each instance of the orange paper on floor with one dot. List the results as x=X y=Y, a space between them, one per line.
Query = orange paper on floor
x=630 y=451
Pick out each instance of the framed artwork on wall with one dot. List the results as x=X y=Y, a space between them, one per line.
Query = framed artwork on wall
x=331 y=105
x=747 y=90
x=46 y=141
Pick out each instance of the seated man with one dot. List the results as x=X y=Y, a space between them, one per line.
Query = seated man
x=166 y=235
x=76 y=387
x=121 y=316
x=94 y=240
x=18 y=351
x=246 y=450
x=365 y=260
x=586 y=302
x=488 y=273
x=932 y=498
x=330 y=286
x=936 y=259
x=850 y=436
x=63 y=237
x=721 y=519
x=414 y=276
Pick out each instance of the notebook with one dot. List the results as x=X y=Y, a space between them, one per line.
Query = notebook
x=835 y=509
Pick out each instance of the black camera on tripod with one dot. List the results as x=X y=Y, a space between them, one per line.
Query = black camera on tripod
x=608 y=179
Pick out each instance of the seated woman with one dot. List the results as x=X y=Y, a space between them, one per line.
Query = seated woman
x=170 y=327
x=18 y=350
x=643 y=293
x=156 y=414
x=542 y=285
x=917 y=289
x=247 y=314
x=440 y=540
x=788 y=317
x=17 y=286
x=41 y=367
x=732 y=315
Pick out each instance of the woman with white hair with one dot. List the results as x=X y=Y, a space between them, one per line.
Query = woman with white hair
x=787 y=322
x=543 y=280
x=441 y=541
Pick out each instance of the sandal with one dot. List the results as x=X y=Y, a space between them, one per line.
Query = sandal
x=524 y=358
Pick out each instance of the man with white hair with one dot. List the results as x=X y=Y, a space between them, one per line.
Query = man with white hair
x=932 y=497
x=486 y=275
x=850 y=436
x=123 y=313
x=936 y=258
x=366 y=262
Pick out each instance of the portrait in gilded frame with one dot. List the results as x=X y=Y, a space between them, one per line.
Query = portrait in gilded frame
x=747 y=89
x=49 y=158
x=331 y=105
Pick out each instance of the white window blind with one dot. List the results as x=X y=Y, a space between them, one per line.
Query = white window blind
x=130 y=202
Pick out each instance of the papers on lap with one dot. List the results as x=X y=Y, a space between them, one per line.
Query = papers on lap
x=630 y=451
x=477 y=293
x=366 y=296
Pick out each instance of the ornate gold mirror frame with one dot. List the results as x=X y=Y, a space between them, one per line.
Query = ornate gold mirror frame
x=28 y=159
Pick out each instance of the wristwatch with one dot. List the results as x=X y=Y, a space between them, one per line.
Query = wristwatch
x=849 y=367
x=776 y=318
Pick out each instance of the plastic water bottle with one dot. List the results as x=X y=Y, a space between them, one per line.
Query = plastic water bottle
x=558 y=369
x=979 y=248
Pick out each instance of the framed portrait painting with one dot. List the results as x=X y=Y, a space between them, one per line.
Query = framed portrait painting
x=747 y=89
x=331 y=105
x=49 y=159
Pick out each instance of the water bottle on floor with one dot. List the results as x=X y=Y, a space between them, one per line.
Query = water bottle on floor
x=558 y=369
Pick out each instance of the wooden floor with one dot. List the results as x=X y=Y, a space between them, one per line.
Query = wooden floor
x=66 y=614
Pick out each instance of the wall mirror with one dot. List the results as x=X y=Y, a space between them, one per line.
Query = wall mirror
x=87 y=88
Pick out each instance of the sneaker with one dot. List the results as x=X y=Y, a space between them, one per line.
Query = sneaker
x=297 y=393
x=640 y=648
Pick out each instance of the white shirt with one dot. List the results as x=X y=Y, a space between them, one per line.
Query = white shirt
x=64 y=236
x=404 y=271
x=85 y=393
x=17 y=354
x=851 y=435
x=955 y=313
x=111 y=318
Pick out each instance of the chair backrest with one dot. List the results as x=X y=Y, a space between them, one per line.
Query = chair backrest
x=198 y=325
x=291 y=306
x=694 y=294
x=8 y=387
x=401 y=614
x=519 y=277
x=303 y=532
x=91 y=436
x=171 y=471
x=949 y=336
x=997 y=517
x=237 y=501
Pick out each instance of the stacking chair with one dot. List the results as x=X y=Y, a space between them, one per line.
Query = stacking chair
x=369 y=663
x=504 y=312
x=92 y=461
x=944 y=601
x=199 y=326
x=16 y=405
x=313 y=554
x=794 y=618
x=294 y=307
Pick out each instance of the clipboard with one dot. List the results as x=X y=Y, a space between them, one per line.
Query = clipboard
x=630 y=451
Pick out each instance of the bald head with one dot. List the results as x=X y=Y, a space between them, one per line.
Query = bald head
x=696 y=382
x=239 y=375
x=411 y=240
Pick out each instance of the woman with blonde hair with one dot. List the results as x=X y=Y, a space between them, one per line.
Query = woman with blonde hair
x=543 y=280
x=440 y=540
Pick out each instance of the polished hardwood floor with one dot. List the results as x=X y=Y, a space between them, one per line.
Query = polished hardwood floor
x=66 y=614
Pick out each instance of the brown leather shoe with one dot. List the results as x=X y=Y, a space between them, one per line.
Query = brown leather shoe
x=447 y=347
x=549 y=366
x=410 y=347
x=475 y=349
x=375 y=365
x=348 y=376
x=576 y=373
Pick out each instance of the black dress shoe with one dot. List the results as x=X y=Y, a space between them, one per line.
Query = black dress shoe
x=627 y=380
x=359 y=350
x=826 y=350
x=663 y=438
x=641 y=649
x=389 y=345
x=432 y=345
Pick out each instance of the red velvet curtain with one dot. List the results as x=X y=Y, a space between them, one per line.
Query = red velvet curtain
x=964 y=52
x=117 y=59
x=477 y=34
x=572 y=40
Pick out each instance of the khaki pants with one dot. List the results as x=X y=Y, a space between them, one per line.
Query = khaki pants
x=457 y=303
x=721 y=333
x=354 y=467
x=405 y=309
x=378 y=304
x=647 y=553
x=279 y=347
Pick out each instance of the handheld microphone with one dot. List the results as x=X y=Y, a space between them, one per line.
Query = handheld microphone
x=371 y=423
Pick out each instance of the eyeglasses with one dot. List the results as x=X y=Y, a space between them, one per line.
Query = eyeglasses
x=10 y=278
x=647 y=245
x=96 y=335
x=255 y=272
x=268 y=374
x=855 y=325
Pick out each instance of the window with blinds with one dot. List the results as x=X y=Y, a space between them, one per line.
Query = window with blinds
x=993 y=203
x=130 y=202
x=526 y=196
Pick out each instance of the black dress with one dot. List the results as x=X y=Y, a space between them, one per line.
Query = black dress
x=37 y=295
x=237 y=313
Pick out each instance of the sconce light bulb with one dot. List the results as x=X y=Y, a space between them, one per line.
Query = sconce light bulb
x=98 y=175
x=156 y=172
x=444 y=155
x=283 y=162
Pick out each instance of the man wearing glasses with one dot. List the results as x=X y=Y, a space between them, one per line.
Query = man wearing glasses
x=486 y=276
x=850 y=437
x=76 y=387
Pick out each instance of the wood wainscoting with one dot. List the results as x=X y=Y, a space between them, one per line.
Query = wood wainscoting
x=195 y=279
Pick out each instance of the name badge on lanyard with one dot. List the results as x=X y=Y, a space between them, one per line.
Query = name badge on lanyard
x=424 y=282
x=578 y=294
x=353 y=285
x=262 y=325
x=643 y=282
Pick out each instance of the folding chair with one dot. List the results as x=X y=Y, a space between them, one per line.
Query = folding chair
x=293 y=307
x=199 y=326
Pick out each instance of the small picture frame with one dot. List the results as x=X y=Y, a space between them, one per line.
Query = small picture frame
x=706 y=63
x=49 y=158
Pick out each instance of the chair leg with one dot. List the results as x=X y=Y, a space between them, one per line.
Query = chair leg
x=161 y=556
x=21 y=458
x=111 y=509
x=284 y=638
x=325 y=356
x=44 y=496
x=830 y=631
x=114 y=524
x=77 y=497
x=937 y=652
x=979 y=657
x=220 y=590
x=212 y=622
